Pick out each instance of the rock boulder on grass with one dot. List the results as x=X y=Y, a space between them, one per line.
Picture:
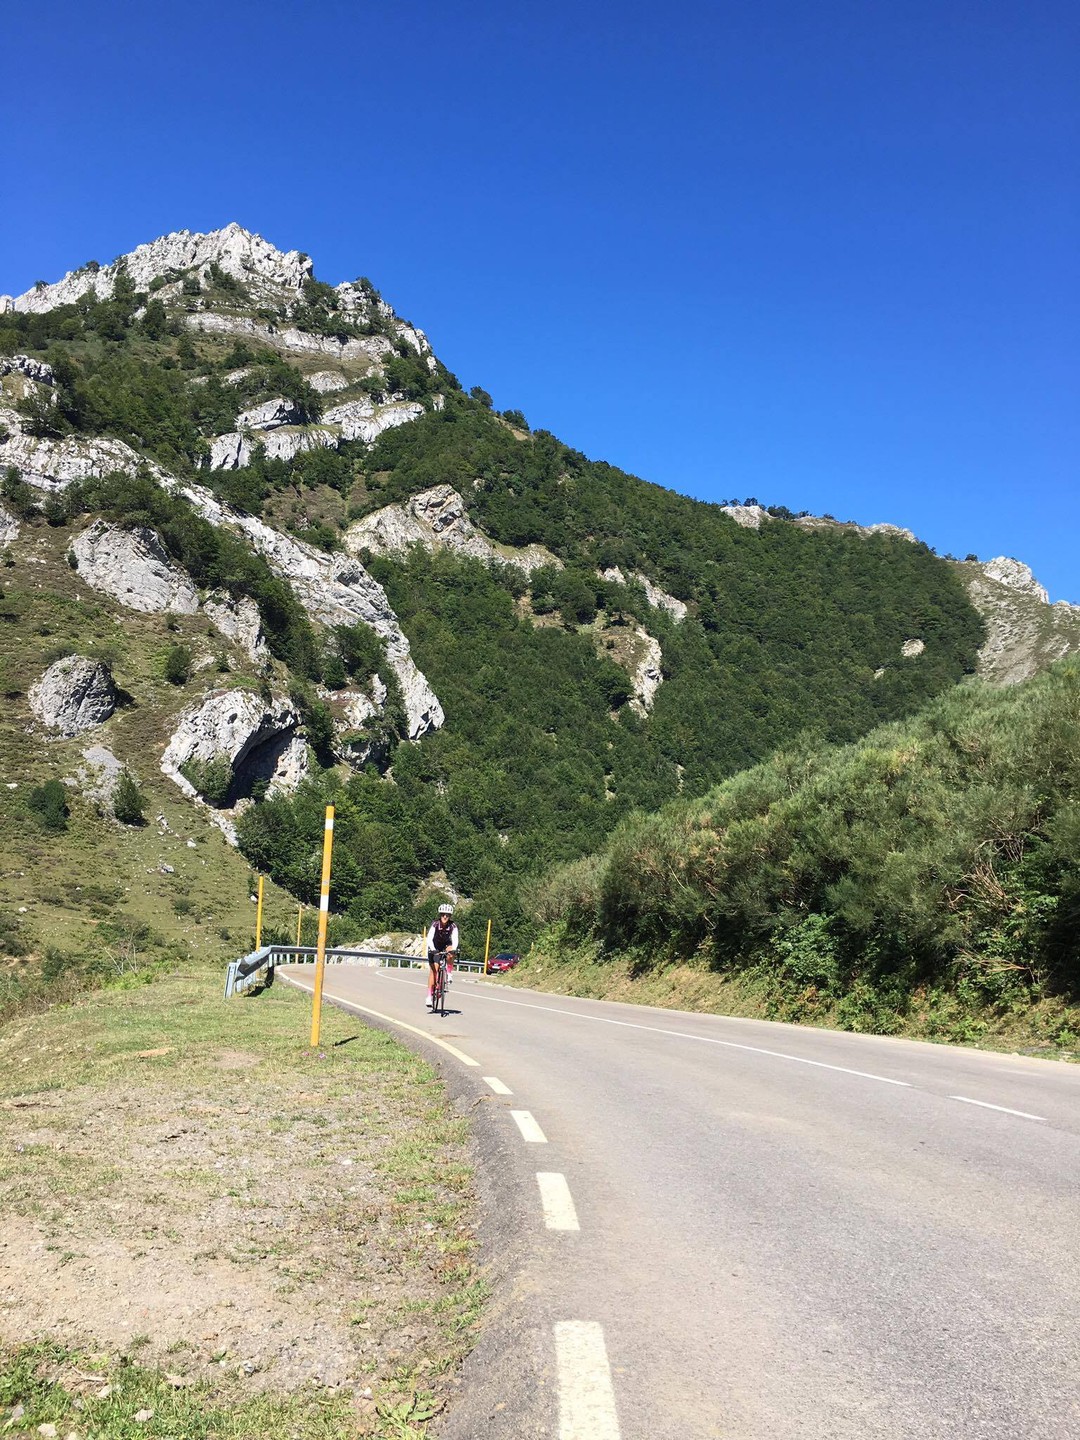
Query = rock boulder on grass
x=74 y=695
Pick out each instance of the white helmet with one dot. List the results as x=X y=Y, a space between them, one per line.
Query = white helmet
x=446 y=909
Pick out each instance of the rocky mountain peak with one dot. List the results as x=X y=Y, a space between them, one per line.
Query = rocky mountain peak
x=240 y=253
x=1016 y=575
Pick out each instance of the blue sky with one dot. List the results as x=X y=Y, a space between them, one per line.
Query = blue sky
x=819 y=254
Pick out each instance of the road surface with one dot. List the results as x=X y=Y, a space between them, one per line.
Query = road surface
x=703 y=1226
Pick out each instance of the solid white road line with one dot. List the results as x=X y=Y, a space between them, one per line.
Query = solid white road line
x=378 y=1015
x=497 y=1085
x=985 y=1105
x=558 y=1203
x=530 y=1130
x=685 y=1035
x=586 y=1397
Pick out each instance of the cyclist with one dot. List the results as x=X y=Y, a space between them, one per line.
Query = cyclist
x=442 y=937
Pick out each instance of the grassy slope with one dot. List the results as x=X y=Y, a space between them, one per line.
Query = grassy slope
x=922 y=881
x=136 y=1170
x=99 y=892
x=559 y=967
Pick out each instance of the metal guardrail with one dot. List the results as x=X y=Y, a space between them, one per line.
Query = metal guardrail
x=243 y=974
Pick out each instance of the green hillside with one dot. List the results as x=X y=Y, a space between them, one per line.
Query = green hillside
x=787 y=632
x=924 y=879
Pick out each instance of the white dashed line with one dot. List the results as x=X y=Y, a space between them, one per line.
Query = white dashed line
x=1004 y=1109
x=497 y=1085
x=530 y=1130
x=558 y=1203
x=586 y=1397
x=378 y=1015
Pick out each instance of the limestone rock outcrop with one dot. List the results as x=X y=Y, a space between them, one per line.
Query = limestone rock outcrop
x=268 y=416
x=239 y=621
x=437 y=519
x=751 y=517
x=364 y=420
x=9 y=527
x=354 y=420
x=133 y=567
x=245 y=256
x=911 y=648
x=883 y=528
x=74 y=695
x=1024 y=632
x=51 y=465
x=646 y=674
x=257 y=737
x=657 y=598
x=235 y=450
x=829 y=522
x=99 y=776
x=374 y=348
x=26 y=365
x=1016 y=575
x=359 y=741
x=336 y=590
x=327 y=381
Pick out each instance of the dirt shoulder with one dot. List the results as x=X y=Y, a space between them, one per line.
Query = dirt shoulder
x=191 y=1193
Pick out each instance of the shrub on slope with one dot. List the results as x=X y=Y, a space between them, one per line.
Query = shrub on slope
x=941 y=851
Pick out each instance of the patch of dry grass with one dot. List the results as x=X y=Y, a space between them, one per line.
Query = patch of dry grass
x=186 y=1181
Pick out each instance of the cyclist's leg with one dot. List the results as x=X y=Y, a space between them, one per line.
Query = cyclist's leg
x=431 y=981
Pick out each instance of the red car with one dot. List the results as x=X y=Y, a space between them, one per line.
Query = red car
x=502 y=962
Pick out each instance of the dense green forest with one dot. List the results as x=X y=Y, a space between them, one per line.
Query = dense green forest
x=936 y=858
x=789 y=633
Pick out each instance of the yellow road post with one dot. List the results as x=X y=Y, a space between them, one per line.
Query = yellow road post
x=487 y=947
x=299 y=922
x=324 y=910
x=258 y=917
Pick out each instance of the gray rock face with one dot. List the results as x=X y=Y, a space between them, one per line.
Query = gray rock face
x=326 y=381
x=26 y=365
x=133 y=567
x=437 y=520
x=233 y=451
x=336 y=590
x=353 y=710
x=52 y=465
x=646 y=675
x=99 y=776
x=74 y=695
x=374 y=348
x=1024 y=632
x=657 y=598
x=268 y=416
x=363 y=420
x=1016 y=576
x=910 y=648
x=751 y=517
x=256 y=736
x=827 y=522
x=239 y=621
x=9 y=527
x=355 y=420
x=246 y=257
x=897 y=531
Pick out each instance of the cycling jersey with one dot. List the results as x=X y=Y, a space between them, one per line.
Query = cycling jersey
x=443 y=937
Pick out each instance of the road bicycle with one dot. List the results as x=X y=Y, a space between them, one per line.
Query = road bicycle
x=438 y=988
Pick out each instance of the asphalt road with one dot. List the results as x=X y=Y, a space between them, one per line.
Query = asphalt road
x=781 y=1232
